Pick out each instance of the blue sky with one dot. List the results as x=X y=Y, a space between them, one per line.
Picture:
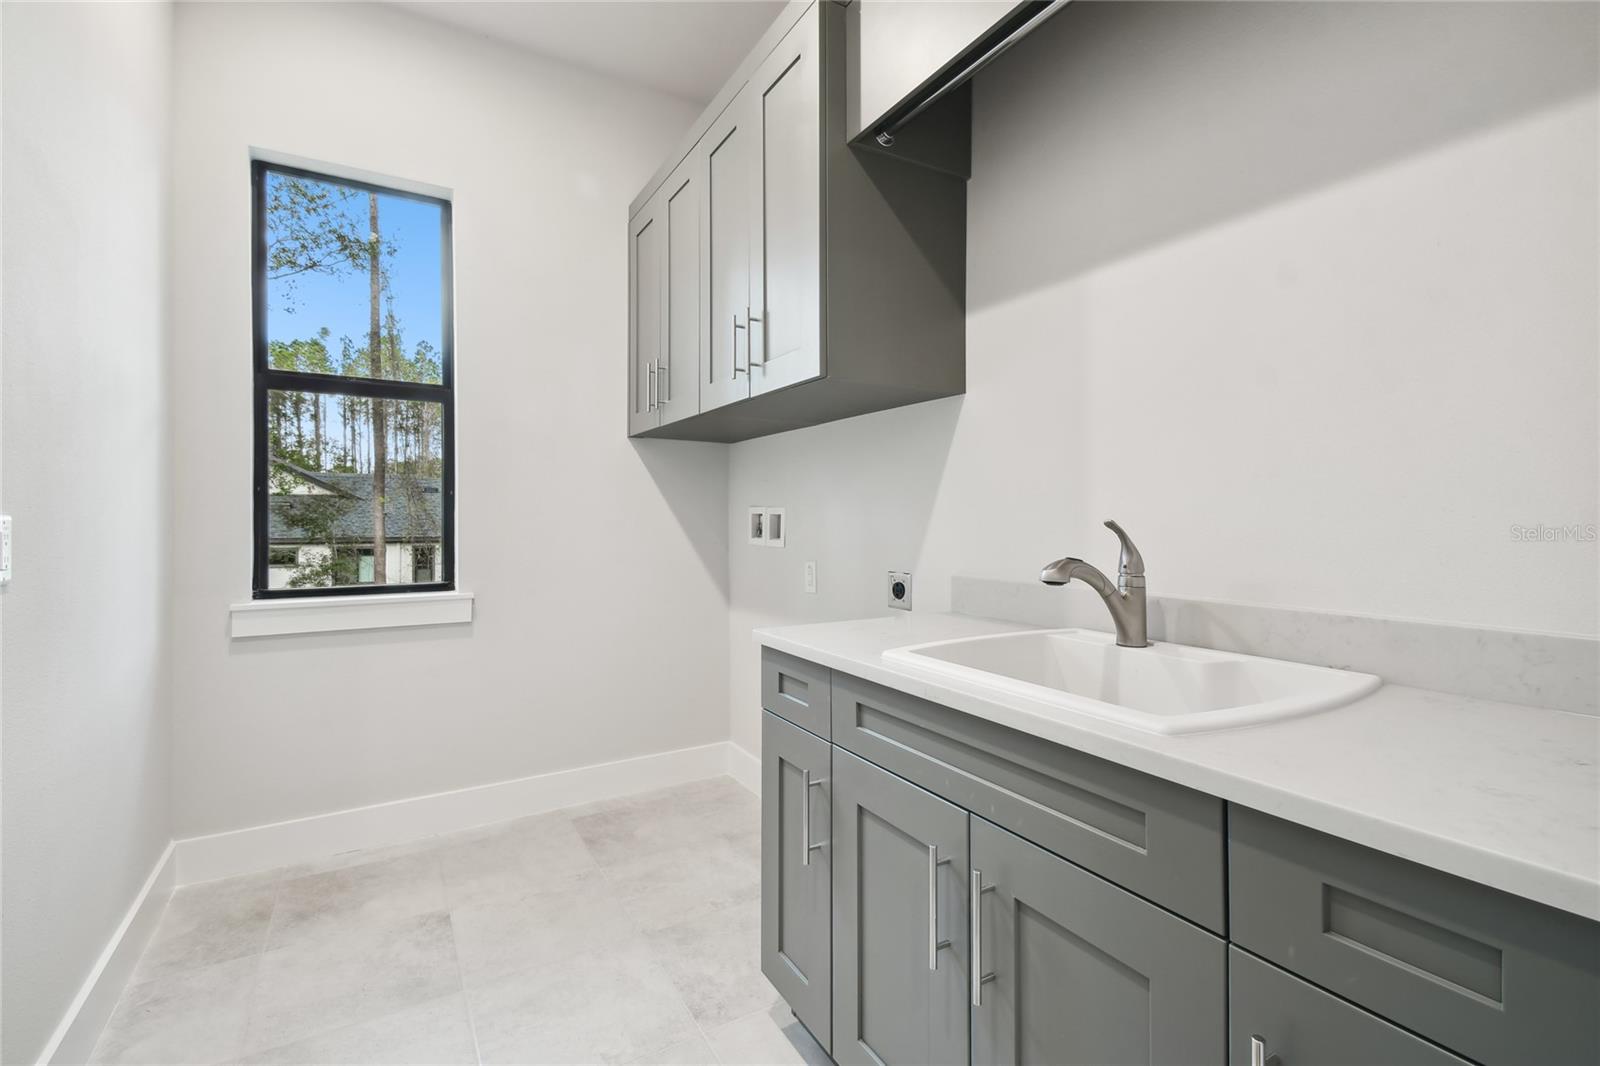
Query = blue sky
x=340 y=301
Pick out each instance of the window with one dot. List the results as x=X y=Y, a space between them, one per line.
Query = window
x=354 y=402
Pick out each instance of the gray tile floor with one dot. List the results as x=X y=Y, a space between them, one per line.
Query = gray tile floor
x=624 y=931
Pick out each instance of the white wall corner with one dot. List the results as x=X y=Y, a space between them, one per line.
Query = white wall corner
x=79 y=1030
x=744 y=767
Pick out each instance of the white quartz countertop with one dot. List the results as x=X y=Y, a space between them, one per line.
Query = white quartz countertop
x=1505 y=795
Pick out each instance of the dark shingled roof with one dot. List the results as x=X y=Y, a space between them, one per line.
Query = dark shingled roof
x=411 y=508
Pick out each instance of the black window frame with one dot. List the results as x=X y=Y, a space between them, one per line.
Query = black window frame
x=268 y=379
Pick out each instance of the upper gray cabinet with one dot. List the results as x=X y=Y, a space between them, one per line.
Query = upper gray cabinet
x=645 y=320
x=829 y=281
x=666 y=283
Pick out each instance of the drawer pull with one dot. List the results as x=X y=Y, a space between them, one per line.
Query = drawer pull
x=934 y=943
x=805 y=817
x=979 y=978
x=1258 y=1053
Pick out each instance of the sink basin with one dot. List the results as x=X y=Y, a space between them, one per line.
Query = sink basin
x=1165 y=688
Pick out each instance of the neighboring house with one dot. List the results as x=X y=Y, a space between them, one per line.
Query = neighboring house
x=319 y=528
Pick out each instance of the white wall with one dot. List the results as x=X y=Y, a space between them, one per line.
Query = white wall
x=599 y=566
x=1302 y=294
x=85 y=728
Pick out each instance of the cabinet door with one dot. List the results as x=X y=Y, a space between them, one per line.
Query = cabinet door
x=796 y=872
x=726 y=209
x=899 y=931
x=683 y=333
x=786 y=245
x=1083 y=971
x=1300 y=1025
x=645 y=289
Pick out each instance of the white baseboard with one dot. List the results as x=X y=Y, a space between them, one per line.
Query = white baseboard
x=264 y=847
x=744 y=767
x=74 y=1039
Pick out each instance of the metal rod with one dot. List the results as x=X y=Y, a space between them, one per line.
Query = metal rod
x=956 y=80
x=805 y=818
x=976 y=967
x=933 y=907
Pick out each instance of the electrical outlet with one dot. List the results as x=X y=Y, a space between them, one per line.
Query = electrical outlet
x=5 y=549
x=900 y=589
x=811 y=578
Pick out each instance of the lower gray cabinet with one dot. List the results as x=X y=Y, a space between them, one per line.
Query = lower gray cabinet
x=796 y=871
x=899 y=921
x=1275 y=1015
x=1084 y=972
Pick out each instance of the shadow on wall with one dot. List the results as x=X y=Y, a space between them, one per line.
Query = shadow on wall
x=1165 y=118
x=692 y=479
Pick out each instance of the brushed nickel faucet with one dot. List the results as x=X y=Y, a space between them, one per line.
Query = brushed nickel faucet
x=1125 y=599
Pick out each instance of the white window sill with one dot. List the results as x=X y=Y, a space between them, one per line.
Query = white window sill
x=329 y=614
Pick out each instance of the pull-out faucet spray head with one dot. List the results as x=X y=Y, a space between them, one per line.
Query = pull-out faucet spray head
x=1125 y=599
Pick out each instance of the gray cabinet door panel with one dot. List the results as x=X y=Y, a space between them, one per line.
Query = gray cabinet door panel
x=683 y=333
x=729 y=153
x=797 y=690
x=889 y=1006
x=1158 y=839
x=786 y=225
x=1301 y=1025
x=646 y=287
x=796 y=894
x=1084 y=972
x=1496 y=978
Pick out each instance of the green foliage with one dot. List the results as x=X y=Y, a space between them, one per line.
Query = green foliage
x=311 y=229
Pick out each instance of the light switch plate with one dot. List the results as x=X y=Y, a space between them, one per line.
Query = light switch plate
x=900 y=589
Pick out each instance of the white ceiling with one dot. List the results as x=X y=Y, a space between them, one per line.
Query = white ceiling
x=686 y=48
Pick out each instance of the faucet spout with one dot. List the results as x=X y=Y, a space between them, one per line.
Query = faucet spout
x=1124 y=598
x=1064 y=570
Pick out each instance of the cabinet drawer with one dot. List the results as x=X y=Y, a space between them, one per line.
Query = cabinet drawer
x=1496 y=978
x=1160 y=840
x=1301 y=1025
x=794 y=689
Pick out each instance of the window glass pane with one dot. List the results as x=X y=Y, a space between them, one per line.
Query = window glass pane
x=329 y=458
x=342 y=262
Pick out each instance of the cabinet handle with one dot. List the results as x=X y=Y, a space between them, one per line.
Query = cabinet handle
x=663 y=385
x=934 y=943
x=975 y=901
x=1258 y=1052
x=805 y=817
x=737 y=369
x=650 y=390
x=750 y=341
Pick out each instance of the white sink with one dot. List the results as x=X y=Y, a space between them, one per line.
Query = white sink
x=1165 y=688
